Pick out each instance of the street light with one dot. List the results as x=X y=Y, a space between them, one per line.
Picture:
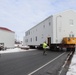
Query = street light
x=56 y=27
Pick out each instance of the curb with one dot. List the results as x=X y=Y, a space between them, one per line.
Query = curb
x=66 y=64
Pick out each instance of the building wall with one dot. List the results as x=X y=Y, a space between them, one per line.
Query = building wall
x=64 y=25
x=38 y=34
x=7 y=37
x=61 y=25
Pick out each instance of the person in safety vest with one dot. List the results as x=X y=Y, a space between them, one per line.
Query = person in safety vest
x=44 y=47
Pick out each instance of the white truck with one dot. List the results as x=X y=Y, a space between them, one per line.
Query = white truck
x=53 y=30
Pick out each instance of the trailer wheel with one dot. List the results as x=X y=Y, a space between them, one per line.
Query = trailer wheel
x=73 y=49
x=68 y=49
x=0 y=48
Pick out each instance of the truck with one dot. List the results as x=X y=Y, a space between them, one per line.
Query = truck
x=58 y=30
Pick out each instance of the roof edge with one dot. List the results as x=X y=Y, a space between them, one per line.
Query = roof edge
x=6 y=29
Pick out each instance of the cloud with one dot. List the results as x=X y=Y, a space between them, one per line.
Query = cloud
x=64 y=5
x=21 y=15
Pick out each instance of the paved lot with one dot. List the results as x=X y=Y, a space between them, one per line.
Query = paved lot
x=23 y=63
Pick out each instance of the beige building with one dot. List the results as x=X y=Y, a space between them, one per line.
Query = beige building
x=7 y=37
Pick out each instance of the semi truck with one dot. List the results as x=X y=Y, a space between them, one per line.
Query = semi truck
x=58 y=30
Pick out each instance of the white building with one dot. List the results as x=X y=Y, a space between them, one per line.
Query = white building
x=7 y=37
x=53 y=29
x=24 y=41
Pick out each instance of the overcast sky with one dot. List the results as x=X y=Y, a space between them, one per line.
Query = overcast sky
x=21 y=15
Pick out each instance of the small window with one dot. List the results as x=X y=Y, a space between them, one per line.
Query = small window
x=72 y=35
x=42 y=36
x=26 y=33
x=36 y=38
x=69 y=35
x=31 y=39
x=71 y=22
x=29 y=32
x=43 y=26
x=49 y=23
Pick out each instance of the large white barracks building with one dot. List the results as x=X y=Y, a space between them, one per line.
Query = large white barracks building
x=53 y=29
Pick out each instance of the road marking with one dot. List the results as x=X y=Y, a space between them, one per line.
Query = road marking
x=45 y=64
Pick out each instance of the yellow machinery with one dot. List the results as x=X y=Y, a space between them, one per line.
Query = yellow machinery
x=69 y=40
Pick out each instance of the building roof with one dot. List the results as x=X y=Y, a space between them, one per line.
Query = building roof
x=6 y=29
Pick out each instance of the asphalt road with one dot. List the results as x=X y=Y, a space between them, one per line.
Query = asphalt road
x=24 y=63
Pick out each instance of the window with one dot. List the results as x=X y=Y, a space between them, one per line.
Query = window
x=27 y=33
x=71 y=22
x=69 y=35
x=72 y=35
x=49 y=23
x=36 y=38
x=42 y=35
x=43 y=26
x=31 y=39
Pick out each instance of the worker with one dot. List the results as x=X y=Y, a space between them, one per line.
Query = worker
x=44 y=47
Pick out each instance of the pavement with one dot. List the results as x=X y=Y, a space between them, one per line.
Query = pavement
x=23 y=63
x=69 y=69
x=54 y=67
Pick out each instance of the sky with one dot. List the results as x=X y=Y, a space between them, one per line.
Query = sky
x=21 y=15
